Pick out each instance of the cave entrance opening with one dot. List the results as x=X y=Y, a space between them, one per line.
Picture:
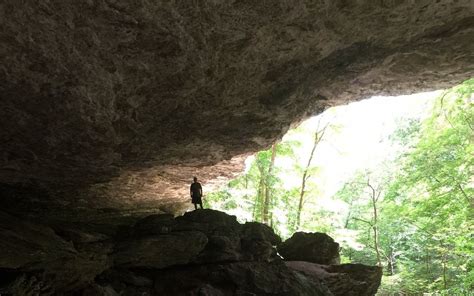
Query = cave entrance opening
x=389 y=178
x=325 y=151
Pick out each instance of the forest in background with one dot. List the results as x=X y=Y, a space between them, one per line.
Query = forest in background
x=412 y=213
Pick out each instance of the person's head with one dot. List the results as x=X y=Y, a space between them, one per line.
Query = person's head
x=195 y=179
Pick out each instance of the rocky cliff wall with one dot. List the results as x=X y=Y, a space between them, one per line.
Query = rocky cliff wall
x=204 y=252
x=114 y=103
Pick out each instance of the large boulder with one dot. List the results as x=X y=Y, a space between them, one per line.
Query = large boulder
x=312 y=247
x=205 y=252
x=79 y=236
x=240 y=278
x=202 y=236
x=259 y=231
x=221 y=248
x=208 y=221
x=342 y=280
x=258 y=241
x=34 y=259
x=254 y=242
x=154 y=224
x=160 y=251
x=24 y=243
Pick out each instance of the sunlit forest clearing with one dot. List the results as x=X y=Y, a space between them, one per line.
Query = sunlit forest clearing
x=390 y=179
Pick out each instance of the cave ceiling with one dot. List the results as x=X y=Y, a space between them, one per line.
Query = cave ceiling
x=112 y=103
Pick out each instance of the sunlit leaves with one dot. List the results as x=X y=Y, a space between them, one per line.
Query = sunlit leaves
x=425 y=223
x=434 y=191
x=426 y=215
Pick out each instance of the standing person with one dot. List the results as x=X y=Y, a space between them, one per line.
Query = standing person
x=196 y=193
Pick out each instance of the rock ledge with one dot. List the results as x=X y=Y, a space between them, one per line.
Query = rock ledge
x=204 y=252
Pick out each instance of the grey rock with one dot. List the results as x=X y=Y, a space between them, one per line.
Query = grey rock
x=312 y=247
x=221 y=257
x=343 y=280
x=259 y=231
x=160 y=251
x=79 y=236
x=154 y=224
x=210 y=222
x=24 y=243
x=43 y=260
x=221 y=248
x=115 y=103
x=240 y=278
x=98 y=290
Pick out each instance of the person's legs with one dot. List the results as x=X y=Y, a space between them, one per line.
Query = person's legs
x=201 y=205
x=195 y=206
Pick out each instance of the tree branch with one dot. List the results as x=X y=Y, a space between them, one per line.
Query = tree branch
x=362 y=220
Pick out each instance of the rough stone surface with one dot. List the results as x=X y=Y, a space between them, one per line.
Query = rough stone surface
x=343 y=280
x=36 y=261
x=154 y=224
x=209 y=254
x=208 y=221
x=312 y=247
x=203 y=236
x=119 y=103
x=259 y=231
x=23 y=243
x=242 y=278
x=160 y=251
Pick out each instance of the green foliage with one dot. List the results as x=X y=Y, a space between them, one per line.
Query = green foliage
x=421 y=223
x=433 y=195
x=426 y=230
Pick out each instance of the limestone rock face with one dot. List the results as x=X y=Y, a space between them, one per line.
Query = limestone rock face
x=119 y=103
x=241 y=278
x=36 y=261
x=312 y=247
x=160 y=251
x=343 y=280
x=154 y=224
x=210 y=253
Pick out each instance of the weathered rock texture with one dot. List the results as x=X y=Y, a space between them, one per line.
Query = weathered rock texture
x=313 y=247
x=204 y=252
x=112 y=103
x=345 y=279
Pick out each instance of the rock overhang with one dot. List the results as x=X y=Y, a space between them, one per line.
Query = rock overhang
x=119 y=103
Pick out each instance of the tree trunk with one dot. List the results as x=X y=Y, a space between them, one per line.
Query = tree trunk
x=391 y=262
x=375 y=197
x=259 y=197
x=317 y=138
x=348 y=217
x=445 y=283
x=267 y=202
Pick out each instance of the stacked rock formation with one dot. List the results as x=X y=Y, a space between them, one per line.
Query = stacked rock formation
x=204 y=252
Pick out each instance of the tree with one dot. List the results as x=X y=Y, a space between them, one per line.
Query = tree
x=364 y=197
x=433 y=192
x=413 y=215
x=318 y=136
x=267 y=187
x=421 y=219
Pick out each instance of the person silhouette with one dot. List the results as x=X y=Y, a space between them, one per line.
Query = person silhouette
x=196 y=193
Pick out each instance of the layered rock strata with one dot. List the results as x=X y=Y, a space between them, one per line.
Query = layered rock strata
x=204 y=252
